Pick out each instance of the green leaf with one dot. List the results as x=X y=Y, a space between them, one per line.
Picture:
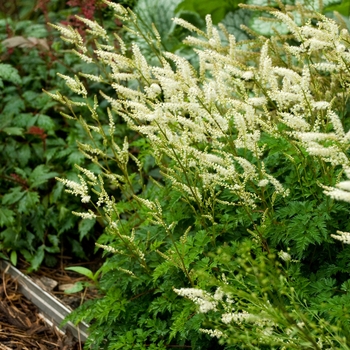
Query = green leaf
x=13 y=131
x=22 y=172
x=23 y=155
x=160 y=13
x=7 y=237
x=30 y=97
x=55 y=195
x=38 y=101
x=77 y=248
x=37 y=258
x=54 y=240
x=346 y=286
x=36 y=30
x=216 y=8
x=343 y=8
x=82 y=270
x=13 y=258
x=9 y=73
x=85 y=226
x=15 y=194
x=46 y=122
x=76 y=157
x=233 y=22
x=52 y=249
x=77 y=287
x=67 y=224
x=3 y=256
x=14 y=106
x=40 y=175
x=6 y=217
x=24 y=120
x=28 y=202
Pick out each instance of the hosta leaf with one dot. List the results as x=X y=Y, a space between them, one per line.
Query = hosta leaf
x=266 y=28
x=160 y=13
x=343 y=8
x=216 y=8
x=233 y=22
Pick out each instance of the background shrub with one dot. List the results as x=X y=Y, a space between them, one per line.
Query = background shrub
x=36 y=144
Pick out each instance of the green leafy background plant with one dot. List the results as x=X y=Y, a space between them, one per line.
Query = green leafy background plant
x=36 y=144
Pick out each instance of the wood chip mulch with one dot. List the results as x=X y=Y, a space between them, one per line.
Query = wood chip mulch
x=23 y=328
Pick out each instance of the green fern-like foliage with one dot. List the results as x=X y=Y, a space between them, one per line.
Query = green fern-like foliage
x=220 y=209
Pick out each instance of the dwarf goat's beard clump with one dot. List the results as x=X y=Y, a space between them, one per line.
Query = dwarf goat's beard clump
x=212 y=132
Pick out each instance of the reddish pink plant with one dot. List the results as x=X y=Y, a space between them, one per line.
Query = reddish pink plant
x=19 y=180
x=42 y=5
x=87 y=10
x=35 y=130
x=87 y=7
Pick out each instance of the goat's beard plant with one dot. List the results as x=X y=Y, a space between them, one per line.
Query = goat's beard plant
x=228 y=166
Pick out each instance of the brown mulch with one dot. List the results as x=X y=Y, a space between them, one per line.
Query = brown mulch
x=22 y=327
x=65 y=280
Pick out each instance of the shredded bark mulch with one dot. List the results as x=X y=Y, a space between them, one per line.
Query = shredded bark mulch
x=22 y=327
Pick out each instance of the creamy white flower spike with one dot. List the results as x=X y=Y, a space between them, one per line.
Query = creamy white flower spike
x=342 y=236
x=78 y=189
x=214 y=333
x=203 y=299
